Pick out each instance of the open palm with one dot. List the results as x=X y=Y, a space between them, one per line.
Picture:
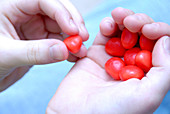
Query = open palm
x=89 y=89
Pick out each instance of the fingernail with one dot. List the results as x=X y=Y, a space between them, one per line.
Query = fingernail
x=138 y=17
x=83 y=28
x=109 y=23
x=167 y=44
x=85 y=34
x=72 y=23
x=129 y=11
x=156 y=25
x=56 y=52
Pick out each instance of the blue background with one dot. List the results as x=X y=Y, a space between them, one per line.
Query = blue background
x=31 y=94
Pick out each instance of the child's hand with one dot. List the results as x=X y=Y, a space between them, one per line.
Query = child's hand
x=89 y=89
x=31 y=32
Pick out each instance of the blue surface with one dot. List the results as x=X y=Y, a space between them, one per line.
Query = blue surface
x=31 y=94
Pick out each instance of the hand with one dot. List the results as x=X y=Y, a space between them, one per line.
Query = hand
x=31 y=32
x=88 y=89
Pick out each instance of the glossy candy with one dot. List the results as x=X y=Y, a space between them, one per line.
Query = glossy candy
x=73 y=43
x=146 y=44
x=114 y=47
x=144 y=60
x=131 y=71
x=129 y=39
x=130 y=56
x=113 y=66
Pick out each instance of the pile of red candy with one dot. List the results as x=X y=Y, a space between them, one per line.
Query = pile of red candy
x=137 y=53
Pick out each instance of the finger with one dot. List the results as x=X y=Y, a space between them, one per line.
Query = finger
x=55 y=36
x=135 y=22
x=20 y=53
x=156 y=30
x=82 y=52
x=54 y=9
x=77 y=19
x=72 y=58
x=161 y=52
x=34 y=29
x=108 y=27
x=100 y=57
x=11 y=79
x=119 y=14
x=100 y=39
x=51 y=25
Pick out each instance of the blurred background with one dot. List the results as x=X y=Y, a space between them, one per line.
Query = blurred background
x=31 y=94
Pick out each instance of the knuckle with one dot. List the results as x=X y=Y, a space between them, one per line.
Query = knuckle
x=144 y=17
x=33 y=53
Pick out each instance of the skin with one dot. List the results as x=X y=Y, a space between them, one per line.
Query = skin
x=88 y=89
x=31 y=32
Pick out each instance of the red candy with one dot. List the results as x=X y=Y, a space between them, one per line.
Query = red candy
x=113 y=67
x=114 y=47
x=73 y=43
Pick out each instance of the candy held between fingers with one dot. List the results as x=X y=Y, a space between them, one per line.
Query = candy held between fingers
x=73 y=43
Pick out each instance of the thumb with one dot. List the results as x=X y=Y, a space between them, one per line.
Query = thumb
x=21 y=53
x=161 y=52
x=159 y=75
